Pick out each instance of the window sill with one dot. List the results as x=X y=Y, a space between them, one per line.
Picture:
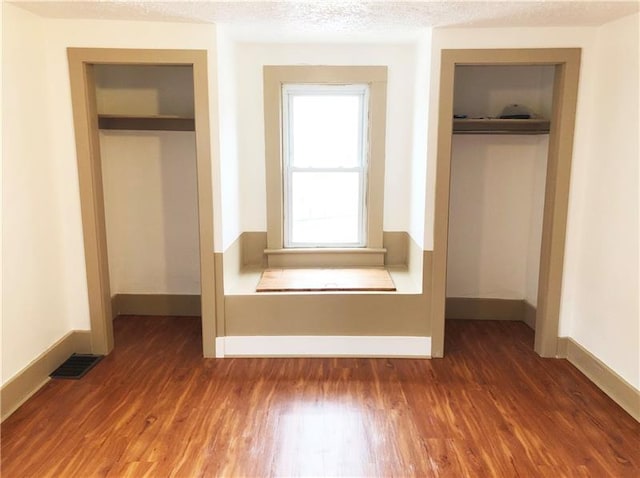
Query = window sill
x=329 y=257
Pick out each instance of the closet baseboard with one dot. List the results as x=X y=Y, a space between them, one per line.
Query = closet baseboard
x=478 y=308
x=185 y=305
x=529 y=317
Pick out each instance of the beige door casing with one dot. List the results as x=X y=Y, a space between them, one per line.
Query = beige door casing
x=85 y=117
x=567 y=66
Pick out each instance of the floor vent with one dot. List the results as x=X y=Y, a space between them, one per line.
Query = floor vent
x=76 y=366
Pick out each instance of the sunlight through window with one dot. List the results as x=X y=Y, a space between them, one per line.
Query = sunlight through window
x=325 y=150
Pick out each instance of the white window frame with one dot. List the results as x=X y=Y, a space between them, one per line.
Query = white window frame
x=291 y=90
x=274 y=77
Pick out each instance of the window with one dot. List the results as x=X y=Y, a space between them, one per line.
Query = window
x=325 y=145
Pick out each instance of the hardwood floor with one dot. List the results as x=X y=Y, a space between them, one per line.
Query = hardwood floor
x=155 y=408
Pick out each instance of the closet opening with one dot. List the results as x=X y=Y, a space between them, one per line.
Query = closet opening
x=505 y=140
x=148 y=159
x=144 y=167
x=498 y=169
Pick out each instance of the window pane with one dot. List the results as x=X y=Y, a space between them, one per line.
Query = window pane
x=325 y=208
x=325 y=131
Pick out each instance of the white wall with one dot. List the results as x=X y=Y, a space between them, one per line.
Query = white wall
x=493 y=181
x=1 y=193
x=605 y=289
x=35 y=312
x=420 y=128
x=569 y=37
x=230 y=138
x=44 y=284
x=401 y=62
x=48 y=293
x=62 y=34
x=599 y=306
x=497 y=186
x=150 y=182
x=535 y=222
x=151 y=206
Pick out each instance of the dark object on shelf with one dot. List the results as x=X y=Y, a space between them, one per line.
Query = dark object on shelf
x=515 y=116
x=515 y=111
x=459 y=116
x=501 y=126
x=76 y=366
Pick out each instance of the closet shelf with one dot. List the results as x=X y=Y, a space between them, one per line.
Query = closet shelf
x=152 y=122
x=500 y=126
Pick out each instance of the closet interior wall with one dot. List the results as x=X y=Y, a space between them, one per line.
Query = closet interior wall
x=150 y=182
x=497 y=192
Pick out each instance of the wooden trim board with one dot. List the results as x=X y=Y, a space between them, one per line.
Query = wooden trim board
x=273 y=78
x=253 y=244
x=325 y=257
x=362 y=279
x=567 y=66
x=500 y=126
x=616 y=387
x=85 y=116
x=30 y=379
x=156 y=304
x=146 y=123
x=473 y=308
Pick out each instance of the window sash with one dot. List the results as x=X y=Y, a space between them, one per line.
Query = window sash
x=289 y=92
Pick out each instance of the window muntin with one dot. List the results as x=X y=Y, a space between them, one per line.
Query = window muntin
x=325 y=151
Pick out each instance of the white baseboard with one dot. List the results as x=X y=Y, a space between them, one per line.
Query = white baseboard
x=323 y=346
x=607 y=380
x=31 y=378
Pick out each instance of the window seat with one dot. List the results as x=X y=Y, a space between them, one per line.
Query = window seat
x=245 y=282
x=309 y=280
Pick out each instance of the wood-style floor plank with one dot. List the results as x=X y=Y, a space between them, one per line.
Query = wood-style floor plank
x=155 y=408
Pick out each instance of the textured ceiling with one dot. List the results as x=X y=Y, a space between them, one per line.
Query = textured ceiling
x=340 y=16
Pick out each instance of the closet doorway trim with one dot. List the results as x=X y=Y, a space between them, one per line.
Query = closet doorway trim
x=565 y=91
x=85 y=117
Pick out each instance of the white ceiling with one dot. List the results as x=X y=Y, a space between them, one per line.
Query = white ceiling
x=346 y=16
